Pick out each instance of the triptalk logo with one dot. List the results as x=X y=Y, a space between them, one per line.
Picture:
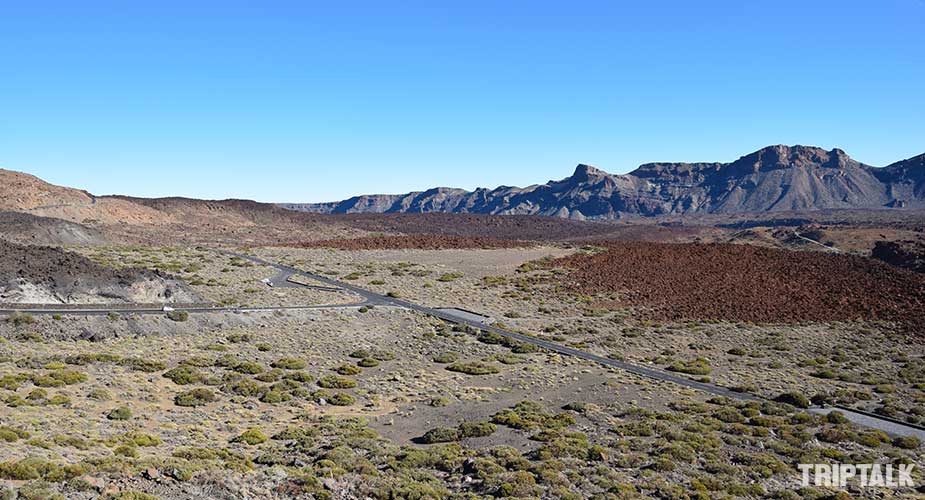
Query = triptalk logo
x=866 y=475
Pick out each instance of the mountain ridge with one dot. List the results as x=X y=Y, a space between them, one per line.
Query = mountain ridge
x=774 y=178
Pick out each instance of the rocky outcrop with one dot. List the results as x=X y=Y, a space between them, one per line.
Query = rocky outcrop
x=46 y=275
x=906 y=254
x=775 y=178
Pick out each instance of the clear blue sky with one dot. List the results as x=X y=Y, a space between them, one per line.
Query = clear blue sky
x=317 y=101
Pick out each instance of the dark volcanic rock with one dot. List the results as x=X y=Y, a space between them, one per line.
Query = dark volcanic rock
x=34 y=230
x=906 y=254
x=776 y=178
x=45 y=275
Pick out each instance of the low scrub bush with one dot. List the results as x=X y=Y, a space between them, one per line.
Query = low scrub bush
x=195 y=397
x=473 y=368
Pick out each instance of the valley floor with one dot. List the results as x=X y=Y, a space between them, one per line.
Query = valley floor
x=382 y=402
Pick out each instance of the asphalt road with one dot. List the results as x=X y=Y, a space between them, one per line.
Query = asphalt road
x=102 y=311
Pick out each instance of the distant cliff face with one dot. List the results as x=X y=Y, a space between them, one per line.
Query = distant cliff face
x=775 y=178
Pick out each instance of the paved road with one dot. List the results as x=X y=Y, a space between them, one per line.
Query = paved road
x=283 y=280
x=889 y=426
x=100 y=311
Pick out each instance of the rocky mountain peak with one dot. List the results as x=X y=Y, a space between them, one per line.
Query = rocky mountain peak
x=584 y=173
x=781 y=156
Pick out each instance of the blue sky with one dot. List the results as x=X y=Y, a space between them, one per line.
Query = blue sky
x=317 y=101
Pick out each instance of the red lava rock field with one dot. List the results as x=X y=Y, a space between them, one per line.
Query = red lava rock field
x=415 y=242
x=747 y=283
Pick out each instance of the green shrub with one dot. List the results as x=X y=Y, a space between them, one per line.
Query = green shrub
x=178 y=316
x=120 y=413
x=576 y=406
x=20 y=319
x=825 y=374
x=243 y=388
x=476 y=429
x=142 y=439
x=249 y=368
x=22 y=470
x=11 y=434
x=270 y=376
x=59 y=400
x=793 y=399
x=509 y=359
x=37 y=395
x=446 y=357
x=519 y=484
x=126 y=451
x=872 y=438
x=906 y=442
x=12 y=382
x=275 y=397
x=183 y=375
x=698 y=366
x=198 y=361
x=99 y=394
x=473 y=368
x=440 y=435
x=144 y=365
x=439 y=401
x=532 y=415
x=341 y=399
x=237 y=338
x=71 y=441
x=289 y=364
x=367 y=363
x=299 y=376
x=491 y=338
x=382 y=355
x=346 y=369
x=836 y=417
x=252 y=436
x=336 y=382
x=729 y=415
x=195 y=397
x=320 y=395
